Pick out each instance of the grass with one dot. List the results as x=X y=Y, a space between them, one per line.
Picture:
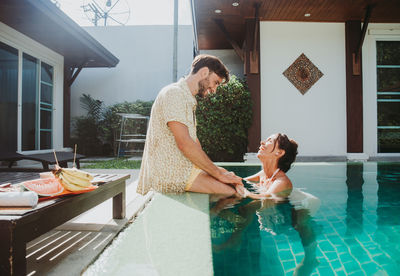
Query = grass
x=118 y=163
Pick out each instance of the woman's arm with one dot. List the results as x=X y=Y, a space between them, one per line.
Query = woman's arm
x=280 y=188
x=254 y=177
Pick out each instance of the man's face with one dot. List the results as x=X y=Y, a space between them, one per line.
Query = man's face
x=209 y=84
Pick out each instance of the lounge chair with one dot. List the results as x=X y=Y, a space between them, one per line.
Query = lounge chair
x=46 y=159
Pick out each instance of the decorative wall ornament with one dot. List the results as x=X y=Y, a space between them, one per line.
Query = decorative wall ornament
x=303 y=74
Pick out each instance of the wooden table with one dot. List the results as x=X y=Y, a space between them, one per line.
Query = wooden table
x=21 y=226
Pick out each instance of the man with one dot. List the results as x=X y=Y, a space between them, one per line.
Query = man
x=173 y=160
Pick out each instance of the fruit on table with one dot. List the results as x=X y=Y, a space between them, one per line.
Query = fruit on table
x=73 y=179
x=44 y=187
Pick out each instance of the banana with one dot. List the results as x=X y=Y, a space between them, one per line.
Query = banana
x=77 y=173
x=75 y=179
x=69 y=186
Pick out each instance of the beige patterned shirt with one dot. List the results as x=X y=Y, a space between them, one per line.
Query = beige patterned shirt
x=164 y=168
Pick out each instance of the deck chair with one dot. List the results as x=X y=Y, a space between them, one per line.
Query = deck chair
x=46 y=159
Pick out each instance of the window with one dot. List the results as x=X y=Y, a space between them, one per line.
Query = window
x=388 y=96
x=36 y=101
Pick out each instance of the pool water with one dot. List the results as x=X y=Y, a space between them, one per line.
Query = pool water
x=342 y=219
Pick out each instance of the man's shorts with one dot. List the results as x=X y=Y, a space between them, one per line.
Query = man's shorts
x=193 y=174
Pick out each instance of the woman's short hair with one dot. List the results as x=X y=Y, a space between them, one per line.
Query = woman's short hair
x=213 y=63
x=290 y=147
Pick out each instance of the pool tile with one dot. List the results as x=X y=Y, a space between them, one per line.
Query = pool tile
x=336 y=265
x=380 y=259
x=357 y=273
x=325 y=271
x=351 y=266
x=331 y=256
x=326 y=246
x=344 y=258
x=288 y=265
x=297 y=248
x=370 y=268
x=335 y=239
x=340 y=272
x=286 y=255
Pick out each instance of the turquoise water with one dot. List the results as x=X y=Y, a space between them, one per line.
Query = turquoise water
x=345 y=220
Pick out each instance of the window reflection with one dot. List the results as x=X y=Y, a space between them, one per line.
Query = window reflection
x=29 y=102
x=8 y=97
x=355 y=198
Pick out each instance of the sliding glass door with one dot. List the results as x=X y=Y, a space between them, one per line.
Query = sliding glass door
x=8 y=98
x=36 y=101
x=388 y=96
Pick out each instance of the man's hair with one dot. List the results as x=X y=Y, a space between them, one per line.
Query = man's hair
x=213 y=64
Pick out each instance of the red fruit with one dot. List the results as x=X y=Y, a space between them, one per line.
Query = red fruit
x=44 y=187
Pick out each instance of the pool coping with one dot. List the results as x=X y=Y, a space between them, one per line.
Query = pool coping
x=171 y=236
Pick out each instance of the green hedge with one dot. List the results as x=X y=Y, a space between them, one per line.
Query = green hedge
x=223 y=120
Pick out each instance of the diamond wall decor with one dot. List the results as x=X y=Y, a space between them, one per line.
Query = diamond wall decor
x=303 y=74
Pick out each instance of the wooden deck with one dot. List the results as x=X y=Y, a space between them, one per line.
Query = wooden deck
x=17 y=177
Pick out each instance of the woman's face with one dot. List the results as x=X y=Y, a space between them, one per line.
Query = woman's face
x=266 y=148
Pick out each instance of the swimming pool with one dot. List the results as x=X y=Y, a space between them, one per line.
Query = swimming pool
x=352 y=228
x=354 y=231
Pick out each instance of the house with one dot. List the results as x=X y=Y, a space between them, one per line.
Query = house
x=42 y=51
x=327 y=73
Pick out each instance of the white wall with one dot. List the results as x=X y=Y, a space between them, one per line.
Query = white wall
x=230 y=59
x=24 y=44
x=146 y=59
x=375 y=33
x=316 y=120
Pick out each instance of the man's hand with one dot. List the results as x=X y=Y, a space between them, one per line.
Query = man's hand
x=229 y=178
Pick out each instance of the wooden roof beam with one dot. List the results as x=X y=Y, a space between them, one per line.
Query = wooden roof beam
x=356 y=55
x=256 y=24
x=235 y=46
x=364 y=29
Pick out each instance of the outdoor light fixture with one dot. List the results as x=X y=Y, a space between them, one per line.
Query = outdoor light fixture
x=217 y=11
x=235 y=4
x=307 y=14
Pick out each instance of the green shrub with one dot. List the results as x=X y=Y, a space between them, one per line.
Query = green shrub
x=223 y=120
x=86 y=130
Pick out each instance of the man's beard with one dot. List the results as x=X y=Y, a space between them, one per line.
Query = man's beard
x=203 y=84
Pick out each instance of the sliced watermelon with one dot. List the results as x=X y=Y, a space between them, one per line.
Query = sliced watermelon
x=44 y=187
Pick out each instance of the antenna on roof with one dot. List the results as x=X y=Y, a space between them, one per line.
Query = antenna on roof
x=115 y=11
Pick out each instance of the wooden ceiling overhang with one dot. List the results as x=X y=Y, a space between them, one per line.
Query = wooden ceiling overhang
x=209 y=25
x=42 y=21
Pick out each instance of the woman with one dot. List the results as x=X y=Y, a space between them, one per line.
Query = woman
x=276 y=154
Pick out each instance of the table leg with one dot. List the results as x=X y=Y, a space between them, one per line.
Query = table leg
x=12 y=251
x=119 y=205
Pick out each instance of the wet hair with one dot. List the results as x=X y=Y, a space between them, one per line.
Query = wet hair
x=213 y=64
x=290 y=147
